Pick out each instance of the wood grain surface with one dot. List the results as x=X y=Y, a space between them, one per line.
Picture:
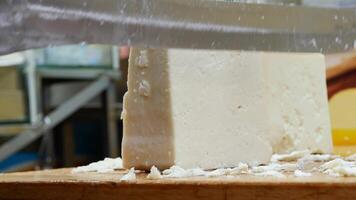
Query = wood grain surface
x=62 y=184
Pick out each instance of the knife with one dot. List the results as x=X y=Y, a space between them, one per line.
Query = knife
x=193 y=24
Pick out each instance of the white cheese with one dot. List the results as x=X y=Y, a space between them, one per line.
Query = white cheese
x=271 y=173
x=336 y=163
x=103 y=166
x=318 y=157
x=298 y=104
x=179 y=172
x=130 y=176
x=351 y=158
x=242 y=168
x=196 y=172
x=154 y=173
x=218 y=172
x=339 y=167
x=345 y=171
x=293 y=156
x=275 y=167
x=309 y=160
x=331 y=172
x=175 y=172
x=298 y=173
x=215 y=109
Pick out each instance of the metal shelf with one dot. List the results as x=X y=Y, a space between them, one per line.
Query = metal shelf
x=102 y=80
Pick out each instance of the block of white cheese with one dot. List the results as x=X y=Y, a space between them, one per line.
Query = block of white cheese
x=212 y=109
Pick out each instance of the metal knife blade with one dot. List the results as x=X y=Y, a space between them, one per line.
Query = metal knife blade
x=195 y=24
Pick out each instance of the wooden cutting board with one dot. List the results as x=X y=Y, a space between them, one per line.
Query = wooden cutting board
x=61 y=184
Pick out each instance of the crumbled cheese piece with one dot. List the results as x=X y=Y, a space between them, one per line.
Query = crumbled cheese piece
x=196 y=172
x=103 y=166
x=175 y=172
x=242 y=168
x=298 y=173
x=218 y=172
x=351 y=158
x=275 y=167
x=105 y=170
x=308 y=159
x=331 y=172
x=339 y=167
x=338 y=162
x=345 y=171
x=287 y=167
x=154 y=173
x=178 y=172
x=293 y=156
x=130 y=176
x=335 y=167
x=271 y=173
x=318 y=157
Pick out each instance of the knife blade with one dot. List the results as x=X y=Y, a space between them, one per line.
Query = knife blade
x=193 y=24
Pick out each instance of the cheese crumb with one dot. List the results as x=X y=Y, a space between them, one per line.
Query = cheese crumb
x=154 y=173
x=178 y=172
x=196 y=172
x=218 y=172
x=293 y=156
x=339 y=167
x=298 y=173
x=331 y=172
x=271 y=173
x=242 y=168
x=130 y=176
x=175 y=172
x=103 y=166
x=336 y=163
x=345 y=171
x=308 y=159
x=318 y=157
x=275 y=167
x=335 y=166
x=351 y=158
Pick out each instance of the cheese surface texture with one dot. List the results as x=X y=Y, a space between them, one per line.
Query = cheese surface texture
x=213 y=109
x=298 y=104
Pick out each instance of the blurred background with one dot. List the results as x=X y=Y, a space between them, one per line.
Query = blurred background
x=61 y=106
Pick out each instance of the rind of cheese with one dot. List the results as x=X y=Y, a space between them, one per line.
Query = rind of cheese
x=215 y=109
x=148 y=127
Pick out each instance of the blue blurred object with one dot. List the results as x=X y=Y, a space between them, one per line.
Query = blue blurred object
x=75 y=56
x=19 y=161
